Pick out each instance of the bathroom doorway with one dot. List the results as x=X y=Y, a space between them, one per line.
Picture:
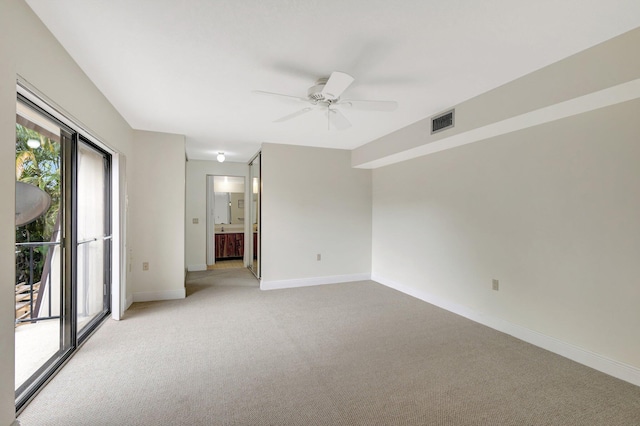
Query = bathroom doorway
x=226 y=212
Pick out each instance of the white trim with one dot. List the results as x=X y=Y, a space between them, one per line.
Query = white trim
x=117 y=282
x=122 y=230
x=151 y=296
x=15 y=423
x=128 y=302
x=582 y=356
x=306 y=282
x=210 y=224
x=194 y=268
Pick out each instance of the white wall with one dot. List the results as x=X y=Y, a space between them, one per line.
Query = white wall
x=157 y=199
x=552 y=212
x=313 y=203
x=544 y=204
x=196 y=206
x=28 y=49
x=7 y=220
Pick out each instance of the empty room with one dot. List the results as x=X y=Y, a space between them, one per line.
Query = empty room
x=340 y=213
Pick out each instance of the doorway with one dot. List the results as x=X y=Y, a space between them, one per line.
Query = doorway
x=226 y=213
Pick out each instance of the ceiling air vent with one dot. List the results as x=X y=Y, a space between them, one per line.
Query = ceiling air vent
x=443 y=121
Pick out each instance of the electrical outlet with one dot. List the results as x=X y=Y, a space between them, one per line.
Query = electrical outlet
x=145 y=266
x=495 y=284
x=195 y=221
x=318 y=257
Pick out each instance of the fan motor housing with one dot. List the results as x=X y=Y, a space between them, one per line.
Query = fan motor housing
x=315 y=92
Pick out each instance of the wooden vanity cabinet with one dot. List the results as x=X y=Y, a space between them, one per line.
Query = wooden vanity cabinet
x=229 y=245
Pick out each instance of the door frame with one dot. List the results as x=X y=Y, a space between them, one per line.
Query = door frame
x=211 y=246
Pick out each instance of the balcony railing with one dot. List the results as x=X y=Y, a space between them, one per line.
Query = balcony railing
x=30 y=294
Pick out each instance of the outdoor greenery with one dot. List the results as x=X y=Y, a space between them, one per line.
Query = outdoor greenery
x=39 y=167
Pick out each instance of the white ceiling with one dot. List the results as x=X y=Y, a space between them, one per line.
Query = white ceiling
x=189 y=67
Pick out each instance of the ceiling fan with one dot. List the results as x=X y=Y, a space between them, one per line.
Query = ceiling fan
x=326 y=95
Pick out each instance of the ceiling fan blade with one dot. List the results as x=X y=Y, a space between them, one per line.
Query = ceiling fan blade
x=338 y=120
x=337 y=84
x=369 y=105
x=280 y=95
x=293 y=115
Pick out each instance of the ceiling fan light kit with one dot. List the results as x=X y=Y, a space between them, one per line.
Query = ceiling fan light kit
x=325 y=94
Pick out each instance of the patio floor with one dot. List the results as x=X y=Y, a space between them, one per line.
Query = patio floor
x=35 y=343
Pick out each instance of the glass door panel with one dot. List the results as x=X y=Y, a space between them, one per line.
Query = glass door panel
x=40 y=313
x=93 y=235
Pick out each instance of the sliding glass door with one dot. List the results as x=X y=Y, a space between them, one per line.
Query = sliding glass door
x=63 y=243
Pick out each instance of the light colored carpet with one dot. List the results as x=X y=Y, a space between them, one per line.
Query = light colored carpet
x=345 y=354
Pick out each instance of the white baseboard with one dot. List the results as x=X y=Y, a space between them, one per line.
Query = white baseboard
x=128 y=302
x=15 y=423
x=598 y=362
x=306 y=282
x=151 y=296
x=194 y=268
